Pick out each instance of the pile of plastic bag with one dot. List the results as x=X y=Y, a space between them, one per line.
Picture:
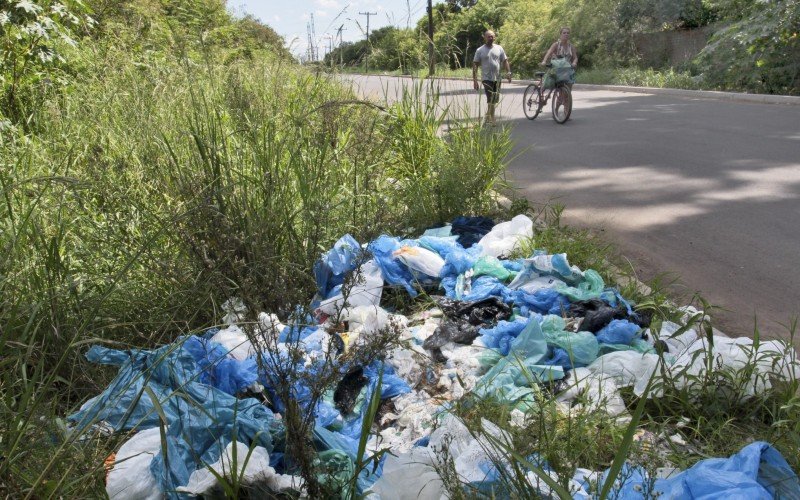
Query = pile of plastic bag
x=207 y=405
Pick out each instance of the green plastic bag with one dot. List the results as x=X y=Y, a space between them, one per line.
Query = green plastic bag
x=582 y=347
x=491 y=266
x=511 y=378
x=549 y=81
x=590 y=288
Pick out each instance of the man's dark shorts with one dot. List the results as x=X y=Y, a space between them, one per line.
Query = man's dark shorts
x=492 y=90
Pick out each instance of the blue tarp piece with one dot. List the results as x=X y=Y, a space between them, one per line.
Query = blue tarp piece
x=394 y=272
x=204 y=431
x=334 y=265
x=756 y=472
x=208 y=417
x=175 y=367
x=619 y=331
x=470 y=230
x=217 y=369
x=325 y=414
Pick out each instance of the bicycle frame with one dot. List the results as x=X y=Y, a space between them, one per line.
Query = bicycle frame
x=541 y=96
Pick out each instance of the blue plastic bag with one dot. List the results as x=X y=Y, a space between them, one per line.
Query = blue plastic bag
x=618 y=331
x=331 y=269
x=393 y=271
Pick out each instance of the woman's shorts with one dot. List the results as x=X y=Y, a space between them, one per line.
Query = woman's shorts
x=492 y=90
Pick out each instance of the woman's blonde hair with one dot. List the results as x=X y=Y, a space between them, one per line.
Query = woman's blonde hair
x=564 y=28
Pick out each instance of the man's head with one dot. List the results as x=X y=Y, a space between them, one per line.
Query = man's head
x=488 y=37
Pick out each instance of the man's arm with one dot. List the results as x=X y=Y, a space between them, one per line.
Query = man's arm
x=508 y=69
x=475 y=75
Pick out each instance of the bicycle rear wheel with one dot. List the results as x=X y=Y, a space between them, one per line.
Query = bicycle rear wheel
x=531 y=101
x=562 y=104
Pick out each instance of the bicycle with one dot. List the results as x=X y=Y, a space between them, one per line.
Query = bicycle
x=534 y=99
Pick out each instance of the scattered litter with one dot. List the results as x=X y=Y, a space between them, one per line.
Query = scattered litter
x=501 y=328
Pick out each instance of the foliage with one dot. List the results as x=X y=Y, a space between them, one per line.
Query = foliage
x=462 y=33
x=667 y=78
x=33 y=37
x=758 y=52
x=185 y=162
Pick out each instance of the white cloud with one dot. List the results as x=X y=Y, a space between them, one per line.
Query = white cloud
x=277 y=19
x=328 y=4
x=320 y=13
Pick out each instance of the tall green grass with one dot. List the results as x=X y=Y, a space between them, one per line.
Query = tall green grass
x=157 y=187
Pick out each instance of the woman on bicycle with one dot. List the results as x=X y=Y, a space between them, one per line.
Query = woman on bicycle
x=562 y=49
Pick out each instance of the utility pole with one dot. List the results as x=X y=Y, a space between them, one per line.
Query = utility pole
x=310 y=42
x=431 y=62
x=366 y=58
x=330 y=47
x=339 y=34
x=312 y=35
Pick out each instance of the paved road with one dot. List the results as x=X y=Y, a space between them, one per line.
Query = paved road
x=706 y=189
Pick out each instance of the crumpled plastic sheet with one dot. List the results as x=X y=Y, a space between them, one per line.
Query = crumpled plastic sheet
x=491 y=266
x=757 y=471
x=543 y=265
x=125 y=404
x=510 y=380
x=618 y=331
x=501 y=335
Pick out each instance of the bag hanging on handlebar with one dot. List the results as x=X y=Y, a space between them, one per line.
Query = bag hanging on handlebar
x=561 y=71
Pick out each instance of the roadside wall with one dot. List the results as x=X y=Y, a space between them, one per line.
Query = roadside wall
x=671 y=48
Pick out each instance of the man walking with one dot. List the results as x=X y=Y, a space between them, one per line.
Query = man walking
x=489 y=57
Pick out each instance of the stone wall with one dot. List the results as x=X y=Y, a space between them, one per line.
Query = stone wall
x=671 y=48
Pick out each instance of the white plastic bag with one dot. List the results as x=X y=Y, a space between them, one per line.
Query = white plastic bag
x=504 y=237
x=421 y=260
x=366 y=292
x=130 y=477
x=250 y=470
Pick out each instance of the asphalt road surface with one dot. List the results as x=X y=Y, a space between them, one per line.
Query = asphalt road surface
x=706 y=189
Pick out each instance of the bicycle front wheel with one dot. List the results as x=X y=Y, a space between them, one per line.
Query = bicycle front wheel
x=562 y=104
x=531 y=101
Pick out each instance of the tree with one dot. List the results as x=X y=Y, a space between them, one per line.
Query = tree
x=758 y=52
x=32 y=36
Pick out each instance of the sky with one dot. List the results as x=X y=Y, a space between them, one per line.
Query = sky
x=290 y=18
